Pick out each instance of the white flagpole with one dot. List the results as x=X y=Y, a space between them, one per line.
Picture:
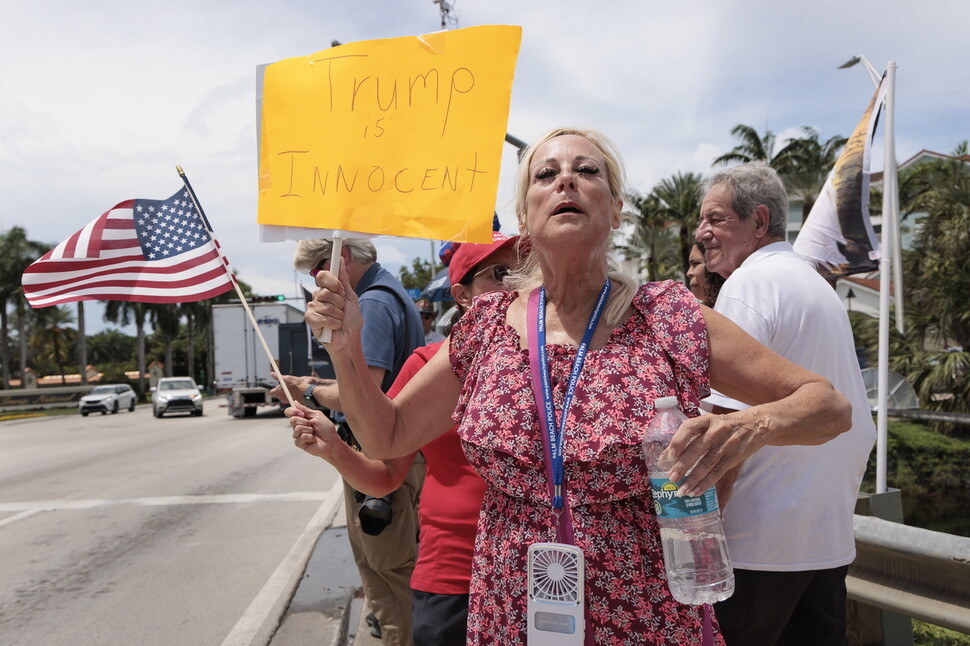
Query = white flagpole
x=885 y=271
x=892 y=190
x=897 y=260
x=235 y=283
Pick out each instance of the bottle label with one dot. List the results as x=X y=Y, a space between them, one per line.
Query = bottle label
x=666 y=504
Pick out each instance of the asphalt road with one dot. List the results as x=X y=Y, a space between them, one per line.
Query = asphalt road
x=125 y=529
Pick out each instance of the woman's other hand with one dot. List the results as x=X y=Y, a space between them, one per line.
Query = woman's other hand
x=314 y=432
x=706 y=448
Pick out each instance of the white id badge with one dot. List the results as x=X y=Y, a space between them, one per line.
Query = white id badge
x=556 y=603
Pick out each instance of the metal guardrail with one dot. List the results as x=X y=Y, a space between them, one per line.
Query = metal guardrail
x=38 y=398
x=912 y=571
x=930 y=416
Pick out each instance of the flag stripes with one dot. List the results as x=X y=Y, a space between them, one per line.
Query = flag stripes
x=105 y=261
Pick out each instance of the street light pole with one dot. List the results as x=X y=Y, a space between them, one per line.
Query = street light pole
x=885 y=269
x=859 y=58
x=888 y=252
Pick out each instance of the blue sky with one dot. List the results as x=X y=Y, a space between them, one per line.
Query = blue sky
x=100 y=100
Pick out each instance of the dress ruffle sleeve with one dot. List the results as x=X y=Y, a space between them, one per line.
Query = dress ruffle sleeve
x=675 y=320
x=471 y=338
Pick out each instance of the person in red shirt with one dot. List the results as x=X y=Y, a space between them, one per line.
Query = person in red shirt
x=453 y=490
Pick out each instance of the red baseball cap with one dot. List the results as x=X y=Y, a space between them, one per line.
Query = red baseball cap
x=467 y=255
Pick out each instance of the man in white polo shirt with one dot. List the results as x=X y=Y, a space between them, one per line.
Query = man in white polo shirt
x=788 y=518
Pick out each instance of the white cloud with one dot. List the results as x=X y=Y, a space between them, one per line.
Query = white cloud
x=100 y=101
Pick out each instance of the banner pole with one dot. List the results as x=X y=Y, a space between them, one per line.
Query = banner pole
x=335 y=257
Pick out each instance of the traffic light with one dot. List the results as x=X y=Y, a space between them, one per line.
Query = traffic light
x=267 y=299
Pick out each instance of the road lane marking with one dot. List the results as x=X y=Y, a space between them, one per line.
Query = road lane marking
x=160 y=501
x=23 y=514
x=278 y=589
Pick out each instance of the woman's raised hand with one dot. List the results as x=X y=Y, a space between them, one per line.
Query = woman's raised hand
x=334 y=307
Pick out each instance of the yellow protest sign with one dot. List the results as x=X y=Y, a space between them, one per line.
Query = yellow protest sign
x=400 y=136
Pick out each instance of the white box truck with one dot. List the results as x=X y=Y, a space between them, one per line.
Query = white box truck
x=242 y=370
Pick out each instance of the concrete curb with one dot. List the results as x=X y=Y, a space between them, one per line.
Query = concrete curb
x=321 y=608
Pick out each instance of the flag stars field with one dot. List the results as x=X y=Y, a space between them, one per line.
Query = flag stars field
x=174 y=221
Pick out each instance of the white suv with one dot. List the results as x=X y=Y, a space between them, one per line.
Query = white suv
x=107 y=399
x=176 y=395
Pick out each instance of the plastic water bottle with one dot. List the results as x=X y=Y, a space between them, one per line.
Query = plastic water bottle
x=694 y=548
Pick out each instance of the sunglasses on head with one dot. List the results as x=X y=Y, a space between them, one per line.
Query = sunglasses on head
x=316 y=270
x=499 y=272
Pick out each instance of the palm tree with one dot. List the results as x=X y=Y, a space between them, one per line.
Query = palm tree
x=937 y=281
x=16 y=253
x=53 y=337
x=807 y=162
x=651 y=240
x=663 y=225
x=754 y=147
x=126 y=312
x=679 y=201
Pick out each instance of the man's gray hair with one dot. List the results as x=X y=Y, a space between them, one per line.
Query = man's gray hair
x=309 y=253
x=756 y=183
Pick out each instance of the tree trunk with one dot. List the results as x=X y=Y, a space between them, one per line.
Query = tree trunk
x=82 y=348
x=22 y=331
x=4 y=347
x=190 y=345
x=807 y=208
x=58 y=359
x=169 y=369
x=141 y=357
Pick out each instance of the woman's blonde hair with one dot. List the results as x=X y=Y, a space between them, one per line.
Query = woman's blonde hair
x=529 y=275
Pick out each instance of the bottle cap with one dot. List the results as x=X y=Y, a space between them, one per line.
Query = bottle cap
x=665 y=402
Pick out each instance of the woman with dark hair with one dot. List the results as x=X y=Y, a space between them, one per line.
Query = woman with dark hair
x=702 y=283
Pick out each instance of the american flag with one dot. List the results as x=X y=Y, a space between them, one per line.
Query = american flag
x=147 y=251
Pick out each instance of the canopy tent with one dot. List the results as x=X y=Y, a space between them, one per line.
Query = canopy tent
x=439 y=289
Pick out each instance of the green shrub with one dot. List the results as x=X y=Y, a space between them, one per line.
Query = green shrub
x=114 y=373
x=925 y=634
x=933 y=473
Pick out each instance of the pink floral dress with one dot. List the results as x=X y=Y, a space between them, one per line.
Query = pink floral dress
x=661 y=350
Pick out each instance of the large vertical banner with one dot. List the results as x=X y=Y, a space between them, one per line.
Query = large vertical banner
x=837 y=236
x=399 y=136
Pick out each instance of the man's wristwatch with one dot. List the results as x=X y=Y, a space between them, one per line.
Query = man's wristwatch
x=308 y=394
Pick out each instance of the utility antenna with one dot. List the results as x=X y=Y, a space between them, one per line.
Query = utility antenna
x=448 y=16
